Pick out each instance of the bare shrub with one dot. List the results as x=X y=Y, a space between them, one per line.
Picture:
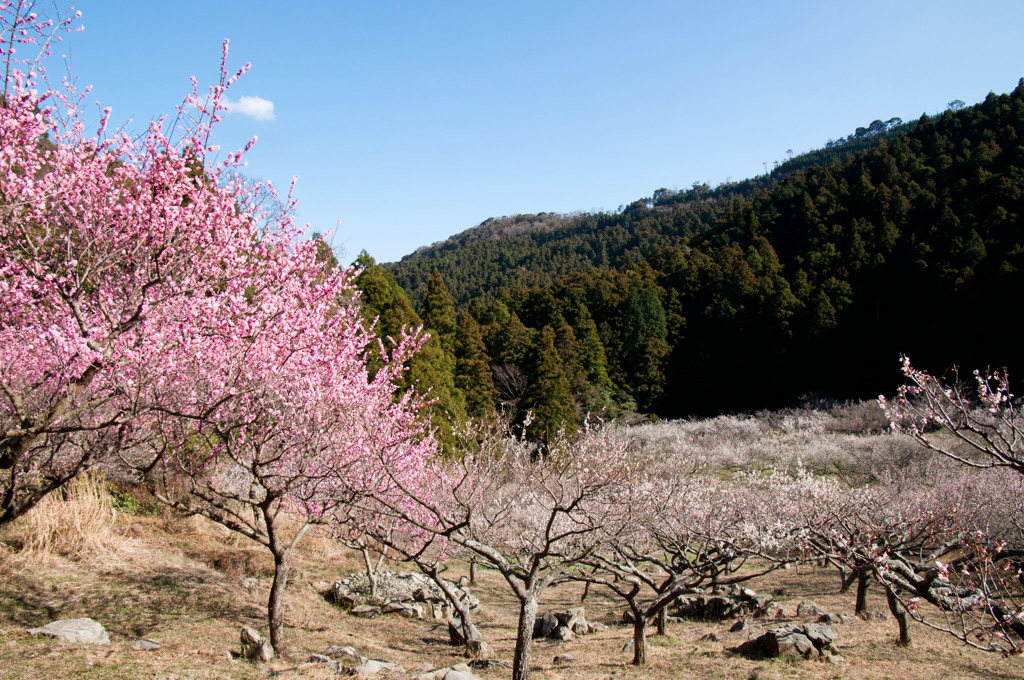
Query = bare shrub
x=857 y=417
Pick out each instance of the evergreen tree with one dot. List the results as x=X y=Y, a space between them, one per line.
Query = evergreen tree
x=473 y=369
x=548 y=396
x=431 y=371
x=439 y=312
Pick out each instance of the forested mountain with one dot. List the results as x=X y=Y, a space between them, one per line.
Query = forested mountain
x=902 y=238
x=532 y=250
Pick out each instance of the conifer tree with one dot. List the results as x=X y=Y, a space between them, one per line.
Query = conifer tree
x=472 y=369
x=431 y=371
x=439 y=313
x=548 y=396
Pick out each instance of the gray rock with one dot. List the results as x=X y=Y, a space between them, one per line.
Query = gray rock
x=822 y=635
x=576 y=621
x=375 y=666
x=365 y=611
x=344 y=652
x=146 y=645
x=789 y=644
x=461 y=675
x=874 y=615
x=255 y=645
x=562 y=633
x=739 y=626
x=808 y=610
x=564 y=660
x=328 y=661
x=479 y=649
x=833 y=619
x=710 y=637
x=544 y=625
x=456 y=635
x=74 y=630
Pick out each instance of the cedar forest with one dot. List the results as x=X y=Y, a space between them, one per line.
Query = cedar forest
x=809 y=281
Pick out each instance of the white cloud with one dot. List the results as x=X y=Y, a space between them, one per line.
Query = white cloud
x=254 y=107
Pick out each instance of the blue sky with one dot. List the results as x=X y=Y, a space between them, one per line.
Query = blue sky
x=410 y=121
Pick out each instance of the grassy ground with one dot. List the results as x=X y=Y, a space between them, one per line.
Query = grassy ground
x=179 y=581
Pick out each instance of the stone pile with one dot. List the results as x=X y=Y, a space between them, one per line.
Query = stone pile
x=795 y=641
x=410 y=594
x=725 y=603
x=565 y=625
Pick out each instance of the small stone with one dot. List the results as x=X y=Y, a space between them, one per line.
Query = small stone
x=873 y=615
x=564 y=660
x=146 y=645
x=710 y=637
x=739 y=626
x=808 y=609
x=255 y=645
x=479 y=649
x=74 y=630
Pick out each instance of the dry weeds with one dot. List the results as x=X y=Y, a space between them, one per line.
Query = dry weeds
x=180 y=581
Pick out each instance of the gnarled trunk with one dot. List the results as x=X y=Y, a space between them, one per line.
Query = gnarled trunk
x=275 y=606
x=901 y=615
x=639 y=637
x=524 y=637
x=863 y=581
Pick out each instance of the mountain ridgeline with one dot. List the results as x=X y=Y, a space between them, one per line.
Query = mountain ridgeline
x=904 y=238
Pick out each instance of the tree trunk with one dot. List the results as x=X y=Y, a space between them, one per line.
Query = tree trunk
x=846 y=581
x=900 y=613
x=663 y=621
x=586 y=591
x=472 y=573
x=461 y=607
x=371 y=573
x=639 y=637
x=524 y=638
x=275 y=606
x=863 y=581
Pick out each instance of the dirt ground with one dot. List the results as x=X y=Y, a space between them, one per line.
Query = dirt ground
x=180 y=582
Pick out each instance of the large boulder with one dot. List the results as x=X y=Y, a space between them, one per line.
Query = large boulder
x=457 y=636
x=74 y=630
x=807 y=641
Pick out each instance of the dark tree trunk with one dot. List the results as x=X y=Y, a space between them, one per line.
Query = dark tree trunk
x=663 y=621
x=900 y=613
x=639 y=637
x=275 y=606
x=524 y=638
x=472 y=573
x=863 y=581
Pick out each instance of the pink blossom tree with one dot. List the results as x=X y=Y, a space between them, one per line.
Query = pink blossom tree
x=150 y=309
x=104 y=240
x=530 y=517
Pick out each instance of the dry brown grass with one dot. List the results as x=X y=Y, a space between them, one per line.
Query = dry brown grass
x=178 y=580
